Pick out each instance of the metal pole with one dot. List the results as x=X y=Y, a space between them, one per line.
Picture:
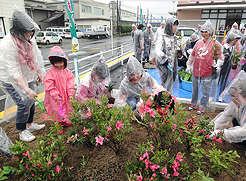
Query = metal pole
x=111 y=22
x=122 y=63
x=173 y=8
x=75 y=60
x=147 y=15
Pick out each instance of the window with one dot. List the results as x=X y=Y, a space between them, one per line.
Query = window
x=205 y=11
x=86 y=9
x=54 y=34
x=213 y=15
x=223 y=11
x=244 y=15
x=97 y=11
x=48 y=34
x=40 y=34
x=205 y=16
x=222 y=15
x=188 y=32
x=102 y=12
x=60 y=30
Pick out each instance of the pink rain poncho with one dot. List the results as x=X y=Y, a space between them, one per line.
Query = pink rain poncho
x=58 y=84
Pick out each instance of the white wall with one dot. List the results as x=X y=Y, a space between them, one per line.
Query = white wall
x=6 y=10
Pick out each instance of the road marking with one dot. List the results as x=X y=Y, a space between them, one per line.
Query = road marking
x=41 y=95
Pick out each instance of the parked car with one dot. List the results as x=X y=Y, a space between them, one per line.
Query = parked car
x=185 y=32
x=47 y=37
x=59 y=30
x=79 y=33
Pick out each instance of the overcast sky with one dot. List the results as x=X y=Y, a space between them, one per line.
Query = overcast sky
x=156 y=7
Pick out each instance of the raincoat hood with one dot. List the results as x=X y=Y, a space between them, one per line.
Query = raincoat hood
x=21 y=23
x=232 y=36
x=169 y=26
x=133 y=68
x=101 y=69
x=235 y=24
x=57 y=52
x=238 y=84
x=207 y=26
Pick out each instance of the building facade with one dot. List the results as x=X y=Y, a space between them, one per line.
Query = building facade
x=220 y=13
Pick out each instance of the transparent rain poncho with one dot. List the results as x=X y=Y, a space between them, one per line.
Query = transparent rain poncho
x=233 y=30
x=190 y=43
x=5 y=142
x=20 y=60
x=148 y=40
x=166 y=59
x=228 y=53
x=93 y=84
x=200 y=64
x=138 y=37
x=129 y=89
x=235 y=110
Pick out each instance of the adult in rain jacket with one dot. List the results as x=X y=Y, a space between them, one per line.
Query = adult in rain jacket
x=133 y=30
x=138 y=42
x=235 y=113
x=20 y=61
x=148 y=42
x=59 y=86
x=166 y=49
x=136 y=81
x=228 y=53
x=201 y=61
x=160 y=31
x=92 y=86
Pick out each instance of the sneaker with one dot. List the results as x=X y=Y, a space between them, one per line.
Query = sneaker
x=200 y=111
x=35 y=127
x=27 y=136
x=192 y=107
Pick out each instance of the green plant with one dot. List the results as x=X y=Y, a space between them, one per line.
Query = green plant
x=222 y=161
x=237 y=57
x=84 y=162
x=200 y=176
x=216 y=51
x=101 y=124
x=185 y=75
x=110 y=87
x=46 y=161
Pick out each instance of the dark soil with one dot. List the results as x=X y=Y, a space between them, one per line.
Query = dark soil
x=104 y=164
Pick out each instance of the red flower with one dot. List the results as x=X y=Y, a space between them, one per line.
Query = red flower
x=39 y=165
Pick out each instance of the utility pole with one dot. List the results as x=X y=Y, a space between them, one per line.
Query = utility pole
x=147 y=15
x=120 y=16
x=151 y=18
x=173 y=8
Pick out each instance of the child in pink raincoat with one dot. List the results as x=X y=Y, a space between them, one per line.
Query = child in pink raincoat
x=59 y=86
x=92 y=86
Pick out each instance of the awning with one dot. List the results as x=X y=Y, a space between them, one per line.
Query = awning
x=52 y=17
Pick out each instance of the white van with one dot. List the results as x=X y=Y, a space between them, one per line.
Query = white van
x=59 y=30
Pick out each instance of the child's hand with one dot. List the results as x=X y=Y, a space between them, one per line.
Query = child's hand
x=70 y=98
x=58 y=100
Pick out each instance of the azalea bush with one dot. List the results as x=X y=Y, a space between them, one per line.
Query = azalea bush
x=98 y=124
x=154 y=164
x=46 y=161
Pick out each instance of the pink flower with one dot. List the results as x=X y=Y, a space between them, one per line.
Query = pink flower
x=179 y=157
x=203 y=130
x=164 y=171
x=48 y=143
x=219 y=140
x=119 y=125
x=109 y=128
x=242 y=62
x=175 y=165
x=176 y=173
x=61 y=131
x=110 y=106
x=39 y=165
x=49 y=177
x=85 y=131
x=154 y=167
x=144 y=155
x=147 y=163
x=76 y=136
x=207 y=136
x=27 y=154
x=88 y=114
x=151 y=124
x=58 y=168
x=168 y=176
x=55 y=155
x=152 y=113
x=174 y=127
x=214 y=138
x=99 y=140
x=154 y=174
x=49 y=162
x=139 y=178
x=33 y=175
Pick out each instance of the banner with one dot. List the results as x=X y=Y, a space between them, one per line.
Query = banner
x=70 y=11
x=141 y=16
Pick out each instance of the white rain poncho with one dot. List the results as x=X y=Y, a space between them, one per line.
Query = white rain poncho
x=159 y=32
x=148 y=40
x=200 y=64
x=166 y=59
x=242 y=34
x=20 y=59
x=132 y=32
x=92 y=86
x=138 y=37
x=228 y=53
x=233 y=30
x=5 y=142
x=190 y=43
x=235 y=110
x=128 y=89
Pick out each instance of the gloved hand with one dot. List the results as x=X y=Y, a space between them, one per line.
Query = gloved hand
x=189 y=69
x=214 y=133
x=31 y=94
x=219 y=64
